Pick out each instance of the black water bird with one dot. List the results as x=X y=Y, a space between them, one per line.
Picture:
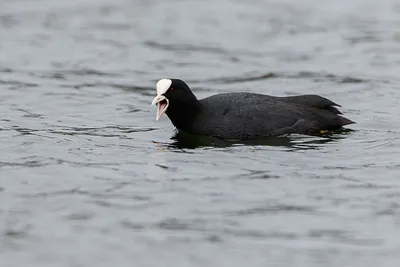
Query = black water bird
x=241 y=115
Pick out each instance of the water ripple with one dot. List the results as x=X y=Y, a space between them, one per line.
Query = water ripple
x=273 y=209
x=315 y=76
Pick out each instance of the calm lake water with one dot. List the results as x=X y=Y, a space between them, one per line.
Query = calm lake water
x=89 y=178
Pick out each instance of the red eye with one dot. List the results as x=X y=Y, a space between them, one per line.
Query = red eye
x=171 y=89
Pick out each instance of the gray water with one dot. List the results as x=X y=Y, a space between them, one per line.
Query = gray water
x=89 y=178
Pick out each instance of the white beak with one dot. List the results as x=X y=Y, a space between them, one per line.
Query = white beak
x=161 y=106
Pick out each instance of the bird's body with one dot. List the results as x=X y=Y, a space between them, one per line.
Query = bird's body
x=239 y=116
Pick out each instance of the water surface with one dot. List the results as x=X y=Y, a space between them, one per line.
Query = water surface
x=89 y=178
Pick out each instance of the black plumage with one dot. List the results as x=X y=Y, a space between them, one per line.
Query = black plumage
x=239 y=116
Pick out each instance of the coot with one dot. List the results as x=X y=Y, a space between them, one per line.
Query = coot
x=240 y=115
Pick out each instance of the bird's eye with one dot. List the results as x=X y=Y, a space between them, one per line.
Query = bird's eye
x=171 y=89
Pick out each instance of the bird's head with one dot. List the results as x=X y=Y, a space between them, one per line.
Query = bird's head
x=172 y=94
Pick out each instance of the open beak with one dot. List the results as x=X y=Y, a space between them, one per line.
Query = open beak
x=162 y=105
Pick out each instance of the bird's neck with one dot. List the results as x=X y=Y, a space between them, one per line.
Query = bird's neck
x=183 y=116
